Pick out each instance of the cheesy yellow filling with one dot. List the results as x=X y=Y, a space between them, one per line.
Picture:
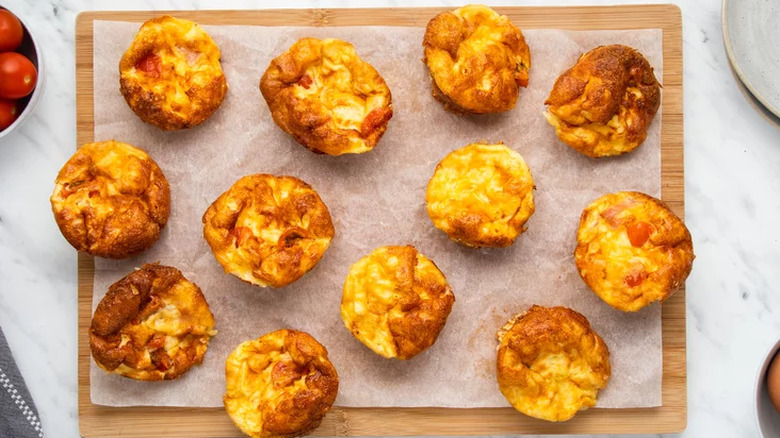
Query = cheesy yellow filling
x=333 y=83
x=491 y=182
x=188 y=57
x=250 y=388
x=372 y=297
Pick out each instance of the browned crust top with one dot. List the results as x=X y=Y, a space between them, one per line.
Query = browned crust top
x=188 y=85
x=111 y=200
x=547 y=352
x=290 y=376
x=427 y=302
x=409 y=322
x=627 y=276
x=302 y=95
x=478 y=60
x=128 y=334
x=608 y=81
x=286 y=206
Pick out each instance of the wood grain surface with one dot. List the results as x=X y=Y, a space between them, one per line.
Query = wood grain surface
x=101 y=421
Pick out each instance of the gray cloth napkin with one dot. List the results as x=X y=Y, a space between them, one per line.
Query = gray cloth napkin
x=18 y=416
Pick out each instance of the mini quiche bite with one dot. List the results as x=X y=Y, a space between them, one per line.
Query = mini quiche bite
x=604 y=104
x=153 y=324
x=268 y=230
x=396 y=301
x=478 y=60
x=171 y=75
x=481 y=195
x=632 y=250
x=550 y=363
x=279 y=385
x=111 y=200
x=327 y=98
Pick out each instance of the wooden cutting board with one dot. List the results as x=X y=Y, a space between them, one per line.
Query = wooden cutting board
x=102 y=421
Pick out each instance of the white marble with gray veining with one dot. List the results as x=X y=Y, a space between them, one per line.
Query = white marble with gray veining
x=732 y=181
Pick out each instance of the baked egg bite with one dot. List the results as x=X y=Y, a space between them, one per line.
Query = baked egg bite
x=327 y=98
x=279 y=385
x=111 y=200
x=632 y=250
x=478 y=60
x=604 y=104
x=171 y=76
x=153 y=324
x=481 y=195
x=396 y=301
x=268 y=230
x=550 y=363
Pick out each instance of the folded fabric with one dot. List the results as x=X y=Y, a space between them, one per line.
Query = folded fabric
x=18 y=415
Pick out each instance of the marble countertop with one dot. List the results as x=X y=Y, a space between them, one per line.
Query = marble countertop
x=732 y=177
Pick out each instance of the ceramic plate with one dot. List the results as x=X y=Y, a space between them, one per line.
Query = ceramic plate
x=751 y=32
x=771 y=118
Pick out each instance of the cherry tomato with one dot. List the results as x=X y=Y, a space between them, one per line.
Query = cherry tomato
x=242 y=234
x=635 y=279
x=17 y=75
x=8 y=113
x=11 y=32
x=374 y=119
x=305 y=81
x=638 y=233
x=150 y=64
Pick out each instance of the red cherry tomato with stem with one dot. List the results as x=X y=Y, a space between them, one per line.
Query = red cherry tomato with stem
x=17 y=75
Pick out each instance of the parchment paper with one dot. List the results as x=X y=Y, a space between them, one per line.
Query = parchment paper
x=378 y=198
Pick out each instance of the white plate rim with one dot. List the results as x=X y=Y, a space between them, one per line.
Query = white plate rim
x=735 y=66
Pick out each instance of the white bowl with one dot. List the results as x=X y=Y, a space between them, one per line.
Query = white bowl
x=31 y=49
x=767 y=416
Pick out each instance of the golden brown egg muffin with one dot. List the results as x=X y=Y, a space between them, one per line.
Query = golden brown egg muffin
x=111 y=200
x=279 y=385
x=632 y=250
x=268 y=230
x=604 y=105
x=478 y=60
x=481 y=195
x=171 y=75
x=551 y=364
x=153 y=324
x=396 y=301
x=326 y=97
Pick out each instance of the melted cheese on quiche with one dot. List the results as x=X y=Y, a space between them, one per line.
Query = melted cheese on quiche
x=632 y=250
x=477 y=58
x=110 y=199
x=122 y=168
x=573 y=126
x=332 y=83
x=153 y=324
x=604 y=104
x=253 y=391
x=181 y=322
x=551 y=364
x=481 y=195
x=328 y=98
x=382 y=287
x=282 y=376
x=268 y=230
x=173 y=66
